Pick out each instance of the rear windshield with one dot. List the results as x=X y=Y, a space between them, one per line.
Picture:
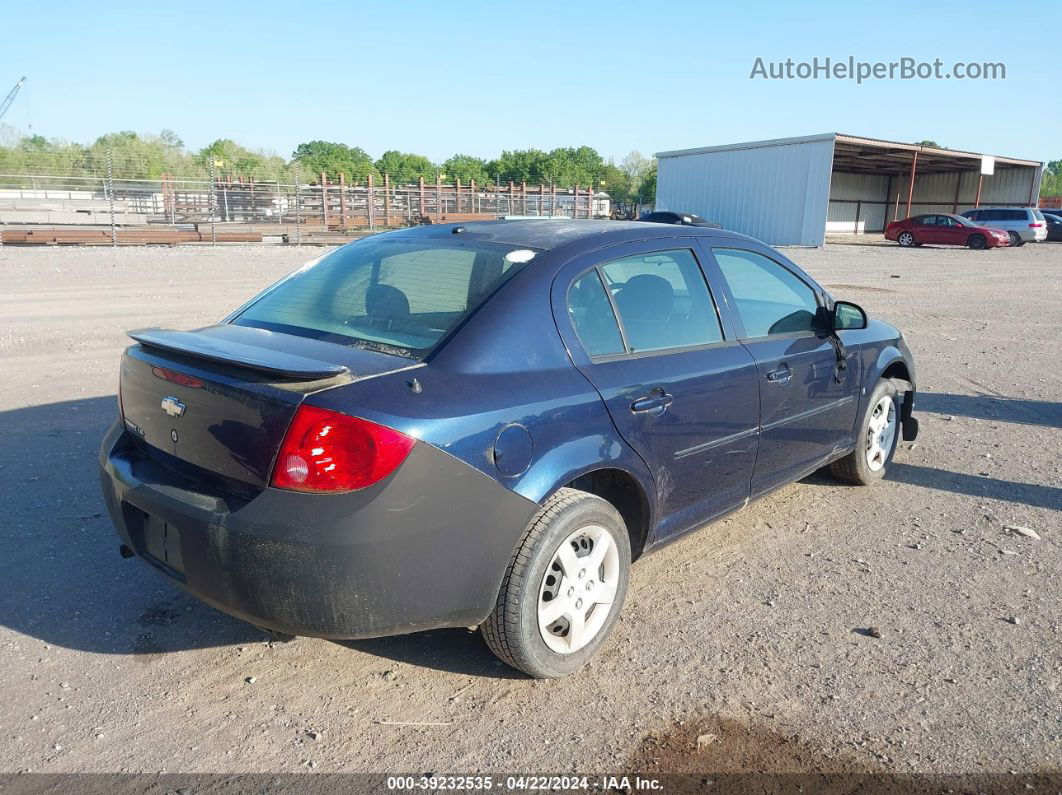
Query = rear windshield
x=1039 y=216
x=392 y=294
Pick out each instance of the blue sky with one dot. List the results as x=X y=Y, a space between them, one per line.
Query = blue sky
x=445 y=77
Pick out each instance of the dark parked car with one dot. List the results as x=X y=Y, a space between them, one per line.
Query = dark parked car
x=484 y=424
x=1053 y=218
x=944 y=229
x=684 y=219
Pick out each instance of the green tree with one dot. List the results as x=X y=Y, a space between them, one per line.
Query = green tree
x=1051 y=185
x=647 y=190
x=232 y=159
x=521 y=165
x=467 y=168
x=405 y=167
x=617 y=184
x=333 y=159
x=567 y=166
x=931 y=144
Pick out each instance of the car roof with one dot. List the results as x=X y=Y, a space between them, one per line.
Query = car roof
x=548 y=234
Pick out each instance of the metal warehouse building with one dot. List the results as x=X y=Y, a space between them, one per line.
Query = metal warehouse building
x=793 y=191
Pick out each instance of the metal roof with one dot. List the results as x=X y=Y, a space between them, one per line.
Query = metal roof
x=871 y=155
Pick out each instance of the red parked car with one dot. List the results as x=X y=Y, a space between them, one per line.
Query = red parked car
x=944 y=229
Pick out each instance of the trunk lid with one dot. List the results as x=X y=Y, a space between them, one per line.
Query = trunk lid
x=214 y=404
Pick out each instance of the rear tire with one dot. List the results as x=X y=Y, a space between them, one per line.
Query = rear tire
x=1015 y=239
x=551 y=615
x=905 y=239
x=977 y=242
x=879 y=433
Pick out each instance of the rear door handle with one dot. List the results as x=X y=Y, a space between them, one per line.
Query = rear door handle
x=654 y=405
x=780 y=376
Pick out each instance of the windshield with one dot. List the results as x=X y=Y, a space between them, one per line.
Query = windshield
x=962 y=220
x=392 y=294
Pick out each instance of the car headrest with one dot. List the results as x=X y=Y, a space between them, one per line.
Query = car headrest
x=646 y=298
x=386 y=306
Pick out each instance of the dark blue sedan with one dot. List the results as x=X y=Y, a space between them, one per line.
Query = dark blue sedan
x=485 y=424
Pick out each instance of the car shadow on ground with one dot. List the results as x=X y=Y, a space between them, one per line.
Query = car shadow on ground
x=976 y=485
x=1031 y=494
x=66 y=584
x=458 y=651
x=64 y=581
x=991 y=407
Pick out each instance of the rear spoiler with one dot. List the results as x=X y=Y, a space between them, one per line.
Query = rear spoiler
x=249 y=357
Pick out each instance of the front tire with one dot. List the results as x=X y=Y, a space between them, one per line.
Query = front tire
x=879 y=433
x=564 y=588
x=977 y=242
x=905 y=239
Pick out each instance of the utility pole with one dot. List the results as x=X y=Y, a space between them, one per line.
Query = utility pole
x=110 y=196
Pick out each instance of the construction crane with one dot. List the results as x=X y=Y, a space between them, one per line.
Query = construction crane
x=10 y=97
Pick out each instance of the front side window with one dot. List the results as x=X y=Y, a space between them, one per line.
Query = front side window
x=402 y=296
x=770 y=299
x=662 y=300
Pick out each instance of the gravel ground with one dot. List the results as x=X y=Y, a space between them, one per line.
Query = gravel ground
x=753 y=630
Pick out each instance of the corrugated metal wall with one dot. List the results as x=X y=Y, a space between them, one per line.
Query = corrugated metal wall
x=936 y=192
x=863 y=195
x=858 y=197
x=775 y=193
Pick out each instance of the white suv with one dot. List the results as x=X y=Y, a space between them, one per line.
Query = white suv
x=1023 y=224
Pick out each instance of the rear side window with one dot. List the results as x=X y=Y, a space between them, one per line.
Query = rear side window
x=662 y=300
x=591 y=315
x=1014 y=215
x=402 y=296
x=770 y=299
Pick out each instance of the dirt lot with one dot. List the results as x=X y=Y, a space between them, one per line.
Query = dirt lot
x=751 y=630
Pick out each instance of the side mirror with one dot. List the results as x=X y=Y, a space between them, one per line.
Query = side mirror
x=847 y=315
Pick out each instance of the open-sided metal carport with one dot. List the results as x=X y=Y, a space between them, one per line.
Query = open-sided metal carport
x=796 y=190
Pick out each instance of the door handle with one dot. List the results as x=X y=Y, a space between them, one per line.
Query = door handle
x=780 y=376
x=653 y=404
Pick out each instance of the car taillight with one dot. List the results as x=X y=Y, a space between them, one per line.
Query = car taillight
x=325 y=451
x=1035 y=226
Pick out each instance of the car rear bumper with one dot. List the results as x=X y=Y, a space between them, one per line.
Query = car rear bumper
x=1030 y=235
x=422 y=549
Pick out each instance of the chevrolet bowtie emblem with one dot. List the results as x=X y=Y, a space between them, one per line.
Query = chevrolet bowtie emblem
x=172 y=406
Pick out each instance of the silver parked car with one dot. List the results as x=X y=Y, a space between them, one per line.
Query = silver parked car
x=1023 y=224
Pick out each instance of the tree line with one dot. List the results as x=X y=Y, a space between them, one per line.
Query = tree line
x=133 y=156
